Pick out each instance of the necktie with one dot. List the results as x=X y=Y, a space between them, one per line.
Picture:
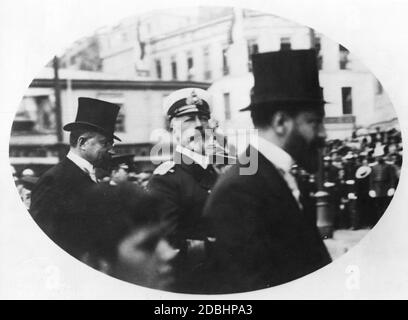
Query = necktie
x=292 y=184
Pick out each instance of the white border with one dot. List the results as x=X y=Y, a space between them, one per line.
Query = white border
x=31 y=32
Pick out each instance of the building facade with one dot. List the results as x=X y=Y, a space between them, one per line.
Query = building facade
x=34 y=138
x=218 y=49
x=144 y=58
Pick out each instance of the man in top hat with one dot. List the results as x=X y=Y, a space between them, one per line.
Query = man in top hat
x=57 y=201
x=263 y=237
x=184 y=183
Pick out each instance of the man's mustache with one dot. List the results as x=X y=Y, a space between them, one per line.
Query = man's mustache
x=198 y=133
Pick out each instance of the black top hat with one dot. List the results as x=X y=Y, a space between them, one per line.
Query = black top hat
x=288 y=78
x=97 y=115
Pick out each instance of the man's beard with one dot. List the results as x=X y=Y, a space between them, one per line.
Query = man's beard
x=306 y=154
x=104 y=161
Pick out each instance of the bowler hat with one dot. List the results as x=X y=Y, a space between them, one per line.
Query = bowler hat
x=96 y=115
x=286 y=78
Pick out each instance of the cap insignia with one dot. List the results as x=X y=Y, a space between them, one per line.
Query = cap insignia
x=193 y=99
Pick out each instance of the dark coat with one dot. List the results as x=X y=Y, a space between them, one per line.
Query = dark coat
x=183 y=191
x=58 y=205
x=331 y=174
x=262 y=237
x=382 y=178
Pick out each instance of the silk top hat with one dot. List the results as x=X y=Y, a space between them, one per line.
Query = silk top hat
x=187 y=101
x=96 y=115
x=286 y=78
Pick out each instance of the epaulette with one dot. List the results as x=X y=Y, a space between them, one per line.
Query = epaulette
x=164 y=168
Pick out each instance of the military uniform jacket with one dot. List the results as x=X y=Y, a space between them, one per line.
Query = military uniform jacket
x=58 y=205
x=183 y=190
x=263 y=238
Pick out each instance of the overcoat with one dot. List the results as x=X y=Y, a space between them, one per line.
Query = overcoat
x=59 y=206
x=263 y=238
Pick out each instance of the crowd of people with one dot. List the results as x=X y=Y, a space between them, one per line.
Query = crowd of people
x=360 y=175
x=195 y=226
x=351 y=169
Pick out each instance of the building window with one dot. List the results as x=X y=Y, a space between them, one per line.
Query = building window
x=173 y=68
x=225 y=66
x=318 y=48
x=158 y=66
x=347 y=100
x=72 y=60
x=344 y=58
x=190 y=66
x=35 y=115
x=206 y=62
x=227 y=106
x=120 y=120
x=252 y=49
x=285 y=43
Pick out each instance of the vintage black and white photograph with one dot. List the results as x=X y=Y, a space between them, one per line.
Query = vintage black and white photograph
x=205 y=150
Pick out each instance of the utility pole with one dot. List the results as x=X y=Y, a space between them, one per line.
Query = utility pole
x=58 y=113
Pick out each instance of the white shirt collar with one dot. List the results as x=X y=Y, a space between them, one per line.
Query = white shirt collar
x=83 y=164
x=279 y=157
x=198 y=158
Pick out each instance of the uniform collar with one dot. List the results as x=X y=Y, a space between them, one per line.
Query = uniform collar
x=201 y=160
x=83 y=164
x=279 y=157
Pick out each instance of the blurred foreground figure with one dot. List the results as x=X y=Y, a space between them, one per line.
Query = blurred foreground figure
x=125 y=236
x=58 y=199
x=121 y=167
x=263 y=236
x=25 y=184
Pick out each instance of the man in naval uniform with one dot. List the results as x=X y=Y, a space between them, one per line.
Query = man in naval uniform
x=184 y=184
x=58 y=201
